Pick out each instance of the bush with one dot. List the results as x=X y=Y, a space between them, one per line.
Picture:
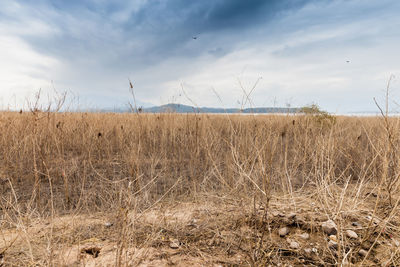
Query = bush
x=320 y=116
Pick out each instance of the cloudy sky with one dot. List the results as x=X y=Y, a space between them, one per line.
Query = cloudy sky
x=336 y=53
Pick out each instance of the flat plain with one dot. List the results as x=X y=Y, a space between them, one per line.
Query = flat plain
x=96 y=189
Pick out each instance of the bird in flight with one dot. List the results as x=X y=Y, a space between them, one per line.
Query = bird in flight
x=194 y=37
x=348 y=61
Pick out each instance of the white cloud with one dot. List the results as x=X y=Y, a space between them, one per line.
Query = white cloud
x=302 y=55
x=23 y=71
x=309 y=64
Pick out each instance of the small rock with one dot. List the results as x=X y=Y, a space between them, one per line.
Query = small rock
x=332 y=244
x=314 y=250
x=294 y=245
x=174 y=244
x=362 y=252
x=351 y=234
x=291 y=216
x=333 y=238
x=283 y=231
x=329 y=227
x=396 y=242
x=108 y=224
x=307 y=250
x=304 y=236
x=357 y=224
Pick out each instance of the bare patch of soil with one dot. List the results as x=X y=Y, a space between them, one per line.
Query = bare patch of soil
x=213 y=232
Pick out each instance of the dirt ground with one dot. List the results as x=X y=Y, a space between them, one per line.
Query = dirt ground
x=212 y=231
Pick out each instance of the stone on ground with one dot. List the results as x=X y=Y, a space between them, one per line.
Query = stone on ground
x=329 y=227
x=351 y=234
x=283 y=231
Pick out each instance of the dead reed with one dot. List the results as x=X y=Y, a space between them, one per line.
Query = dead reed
x=54 y=164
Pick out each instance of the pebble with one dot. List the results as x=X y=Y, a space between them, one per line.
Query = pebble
x=283 y=231
x=332 y=244
x=304 y=236
x=329 y=227
x=362 y=252
x=108 y=224
x=294 y=245
x=396 y=242
x=333 y=238
x=307 y=250
x=351 y=234
x=174 y=244
x=357 y=224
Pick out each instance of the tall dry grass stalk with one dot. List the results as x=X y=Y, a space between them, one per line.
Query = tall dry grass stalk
x=90 y=156
x=73 y=163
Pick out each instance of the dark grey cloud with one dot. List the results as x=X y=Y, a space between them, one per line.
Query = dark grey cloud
x=103 y=41
x=156 y=31
x=170 y=25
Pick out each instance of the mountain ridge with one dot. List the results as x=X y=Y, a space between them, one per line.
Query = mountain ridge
x=180 y=108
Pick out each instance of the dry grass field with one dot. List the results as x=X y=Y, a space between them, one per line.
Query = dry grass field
x=93 y=189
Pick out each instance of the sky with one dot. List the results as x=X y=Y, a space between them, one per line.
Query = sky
x=338 y=54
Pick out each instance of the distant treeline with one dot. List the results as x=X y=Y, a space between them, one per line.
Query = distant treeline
x=179 y=108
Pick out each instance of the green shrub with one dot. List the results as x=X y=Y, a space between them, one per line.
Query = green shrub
x=319 y=116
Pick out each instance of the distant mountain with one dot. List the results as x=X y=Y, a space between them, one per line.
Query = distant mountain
x=179 y=108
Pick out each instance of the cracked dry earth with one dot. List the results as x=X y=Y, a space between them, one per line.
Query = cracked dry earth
x=217 y=232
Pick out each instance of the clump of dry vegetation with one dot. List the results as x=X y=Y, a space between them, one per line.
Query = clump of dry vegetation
x=217 y=190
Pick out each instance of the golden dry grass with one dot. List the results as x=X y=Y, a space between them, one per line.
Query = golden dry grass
x=220 y=186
